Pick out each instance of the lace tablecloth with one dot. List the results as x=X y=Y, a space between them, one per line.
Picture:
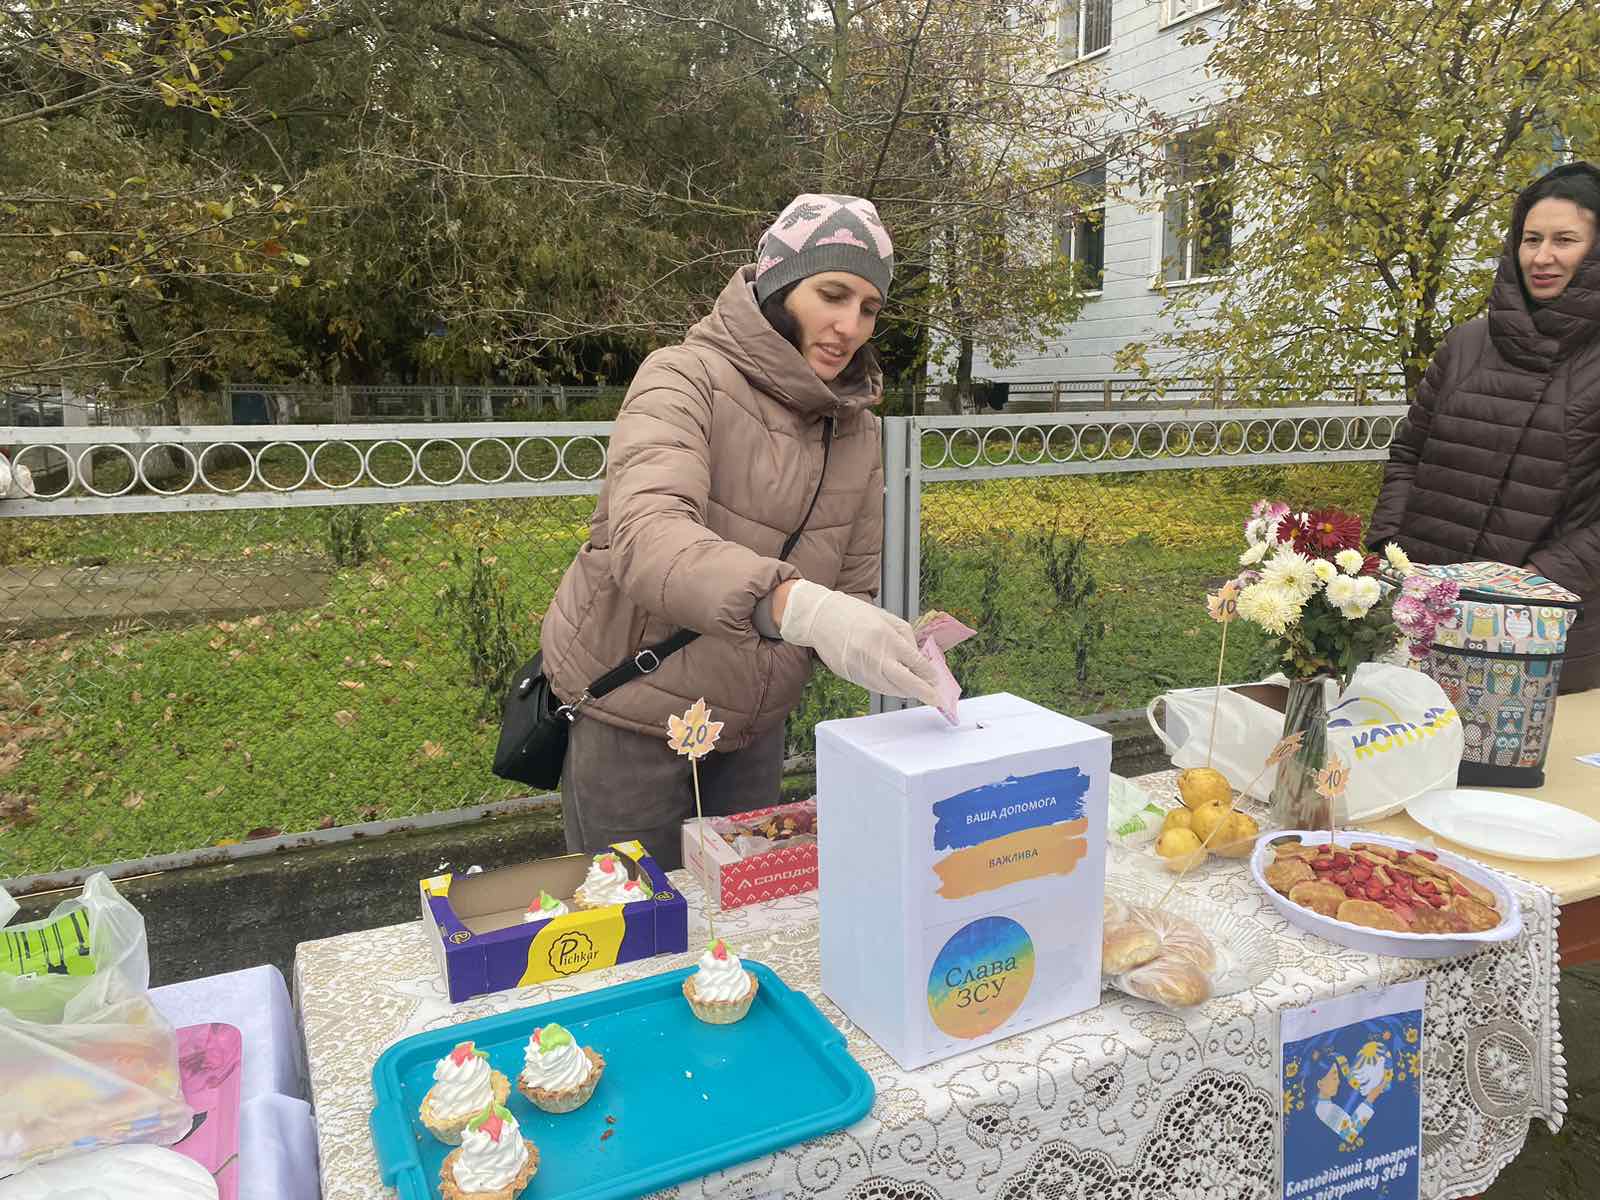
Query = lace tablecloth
x=1126 y=1100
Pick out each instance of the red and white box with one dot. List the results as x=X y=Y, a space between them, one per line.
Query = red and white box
x=787 y=869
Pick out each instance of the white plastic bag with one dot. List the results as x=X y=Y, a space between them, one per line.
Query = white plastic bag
x=1393 y=726
x=121 y=1172
x=16 y=480
x=86 y=1060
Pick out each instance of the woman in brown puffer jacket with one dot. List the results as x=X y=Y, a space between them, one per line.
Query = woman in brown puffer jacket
x=757 y=425
x=1499 y=458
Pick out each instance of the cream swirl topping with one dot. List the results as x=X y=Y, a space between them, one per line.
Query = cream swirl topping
x=461 y=1082
x=545 y=907
x=721 y=975
x=492 y=1153
x=607 y=882
x=554 y=1060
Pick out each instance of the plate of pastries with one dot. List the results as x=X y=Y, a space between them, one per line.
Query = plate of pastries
x=1384 y=895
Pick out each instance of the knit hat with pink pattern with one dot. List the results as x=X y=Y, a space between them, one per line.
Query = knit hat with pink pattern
x=824 y=233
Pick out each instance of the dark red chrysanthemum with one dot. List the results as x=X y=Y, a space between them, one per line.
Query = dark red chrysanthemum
x=1290 y=528
x=1330 y=530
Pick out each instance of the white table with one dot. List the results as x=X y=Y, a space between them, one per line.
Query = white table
x=1124 y=1100
x=277 y=1132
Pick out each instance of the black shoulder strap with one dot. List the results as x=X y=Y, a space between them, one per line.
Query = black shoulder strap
x=651 y=657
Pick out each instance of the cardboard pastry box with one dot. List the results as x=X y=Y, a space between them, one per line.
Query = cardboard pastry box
x=483 y=944
x=787 y=869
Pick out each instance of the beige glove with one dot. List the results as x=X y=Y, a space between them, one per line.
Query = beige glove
x=858 y=641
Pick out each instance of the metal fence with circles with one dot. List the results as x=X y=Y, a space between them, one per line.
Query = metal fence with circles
x=1080 y=547
x=207 y=635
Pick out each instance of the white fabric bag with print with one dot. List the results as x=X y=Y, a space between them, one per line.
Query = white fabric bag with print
x=1393 y=726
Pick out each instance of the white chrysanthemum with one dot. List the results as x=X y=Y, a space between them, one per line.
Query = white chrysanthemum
x=1326 y=572
x=1341 y=591
x=1349 y=561
x=1291 y=571
x=1357 y=596
x=1254 y=555
x=1397 y=558
x=1272 y=607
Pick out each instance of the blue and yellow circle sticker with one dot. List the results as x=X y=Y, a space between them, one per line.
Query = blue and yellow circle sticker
x=981 y=977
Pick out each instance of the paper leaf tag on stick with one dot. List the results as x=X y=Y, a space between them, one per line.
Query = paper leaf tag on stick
x=694 y=734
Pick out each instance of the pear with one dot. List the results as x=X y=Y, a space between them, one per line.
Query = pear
x=1206 y=819
x=1177 y=818
x=1237 y=837
x=1180 y=848
x=1203 y=785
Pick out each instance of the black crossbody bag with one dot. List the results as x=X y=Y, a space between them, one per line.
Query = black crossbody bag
x=535 y=725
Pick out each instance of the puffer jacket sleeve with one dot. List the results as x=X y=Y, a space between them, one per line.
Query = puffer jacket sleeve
x=861 y=569
x=1406 y=449
x=1572 y=561
x=662 y=554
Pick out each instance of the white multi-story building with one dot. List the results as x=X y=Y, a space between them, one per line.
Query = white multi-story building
x=1134 y=241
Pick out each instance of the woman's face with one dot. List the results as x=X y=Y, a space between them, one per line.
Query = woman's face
x=836 y=312
x=1556 y=237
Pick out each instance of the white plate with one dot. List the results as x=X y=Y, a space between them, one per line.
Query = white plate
x=1381 y=941
x=1506 y=825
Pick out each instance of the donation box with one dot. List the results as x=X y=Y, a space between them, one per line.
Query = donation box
x=961 y=872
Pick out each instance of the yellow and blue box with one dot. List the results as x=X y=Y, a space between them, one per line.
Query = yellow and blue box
x=483 y=945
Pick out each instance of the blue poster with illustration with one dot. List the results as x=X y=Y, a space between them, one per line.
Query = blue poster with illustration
x=1352 y=1096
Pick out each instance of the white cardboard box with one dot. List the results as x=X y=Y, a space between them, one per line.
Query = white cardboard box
x=962 y=872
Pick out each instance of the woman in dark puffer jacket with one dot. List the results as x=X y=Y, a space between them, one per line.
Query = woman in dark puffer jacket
x=1499 y=458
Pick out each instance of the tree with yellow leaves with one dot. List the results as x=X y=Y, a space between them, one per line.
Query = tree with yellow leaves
x=1370 y=152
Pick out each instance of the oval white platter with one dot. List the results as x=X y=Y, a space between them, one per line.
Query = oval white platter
x=1381 y=941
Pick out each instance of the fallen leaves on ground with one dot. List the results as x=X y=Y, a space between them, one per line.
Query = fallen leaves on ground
x=16 y=811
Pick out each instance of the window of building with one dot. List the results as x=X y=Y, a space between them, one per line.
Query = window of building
x=1173 y=11
x=1561 y=148
x=1083 y=229
x=1083 y=27
x=1197 y=224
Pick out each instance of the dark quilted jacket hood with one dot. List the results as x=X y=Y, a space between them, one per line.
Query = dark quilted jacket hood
x=1538 y=335
x=1499 y=455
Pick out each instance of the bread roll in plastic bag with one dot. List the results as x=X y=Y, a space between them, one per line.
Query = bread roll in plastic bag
x=1180 y=973
x=86 y=1060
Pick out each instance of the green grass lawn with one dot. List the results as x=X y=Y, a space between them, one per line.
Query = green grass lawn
x=140 y=740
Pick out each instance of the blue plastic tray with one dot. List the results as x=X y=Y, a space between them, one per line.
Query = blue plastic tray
x=688 y=1098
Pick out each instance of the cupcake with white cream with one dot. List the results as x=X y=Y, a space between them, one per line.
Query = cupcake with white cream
x=463 y=1086
x=494 y=1161
x=608 y=884
x=559 y=1075
x=721 y=990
